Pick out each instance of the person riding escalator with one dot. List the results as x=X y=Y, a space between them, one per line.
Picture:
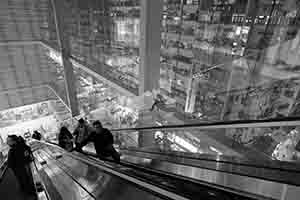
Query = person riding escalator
x=81 y=133
x=36 y=135
x=65 y=139
x=19 y=159
x=103 y=141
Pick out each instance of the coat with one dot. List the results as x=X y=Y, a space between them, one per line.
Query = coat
x=102 y=141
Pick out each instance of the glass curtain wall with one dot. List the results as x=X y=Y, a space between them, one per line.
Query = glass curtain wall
x=220 y=60
x=234 y=60
x=231 y=59
x=105 y=35
x=97 y=100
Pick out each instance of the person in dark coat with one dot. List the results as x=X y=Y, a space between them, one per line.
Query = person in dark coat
x=81 y=133
x=65 y=139
x=37 y=135
x=19 y=159
x=158 y=101
x=103 y=141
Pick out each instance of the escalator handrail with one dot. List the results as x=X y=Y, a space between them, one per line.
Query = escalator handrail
x=273 y=122
x=267 y=164
x=228 y=170
x=3 y=168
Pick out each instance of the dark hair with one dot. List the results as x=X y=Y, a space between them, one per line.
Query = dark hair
x=97 y=122
x=21 y=140
x=64 y=129
x=18 y=139
x=81 y=121
x=13 y=137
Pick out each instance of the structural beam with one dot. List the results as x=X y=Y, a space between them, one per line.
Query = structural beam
x=21 y=89
x=150 y=43
x=63 y=39
x=18 y=42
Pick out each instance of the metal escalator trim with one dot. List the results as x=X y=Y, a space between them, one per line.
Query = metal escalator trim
x=278 y=175
x=3 y=168
x=221 y=187
x=138 y=186
x=133 y=180
x=50 y=188
x=54 y=163
x=204 y=183
x=48 y=183
x=269 y=165
x=69 y=174
x=40 y=180
x=188 y=179
x=273 y=122
x=284 y=167
x=234 y=183
x=265 y=164
x=136 y=181
x=92 y=187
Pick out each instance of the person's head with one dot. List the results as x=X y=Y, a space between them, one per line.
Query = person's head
x=97 y=126
x=21 y=140
x=81 y=122
x=64 y=129
x=12 y=140
x=36 y=132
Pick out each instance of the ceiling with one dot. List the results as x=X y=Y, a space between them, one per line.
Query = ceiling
x=24 y=69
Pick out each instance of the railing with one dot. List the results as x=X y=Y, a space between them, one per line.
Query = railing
x=260 y=176
x=251 y=142
x=3 y=168
x=216 y=142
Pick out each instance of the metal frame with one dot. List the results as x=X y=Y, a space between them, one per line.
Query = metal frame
x=63 y=40
x=3 y=169
x=18 y=42
x=277 y=122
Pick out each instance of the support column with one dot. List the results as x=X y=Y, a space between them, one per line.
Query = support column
x=58 y=10
x=149 y=69
x=150 y=42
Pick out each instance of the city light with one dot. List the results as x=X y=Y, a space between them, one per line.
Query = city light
x=56 y=57
x=215 y=150
x=185 y=144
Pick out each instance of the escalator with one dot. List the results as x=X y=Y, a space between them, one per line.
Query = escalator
x=149 y=170
x=72 y=176
x=196 y=174
x=65 y=175
x=103 y=179
x=255 y=174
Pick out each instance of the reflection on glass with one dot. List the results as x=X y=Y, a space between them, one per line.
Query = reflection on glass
x=260 y=144
x=102 y=31
x=231 y=59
